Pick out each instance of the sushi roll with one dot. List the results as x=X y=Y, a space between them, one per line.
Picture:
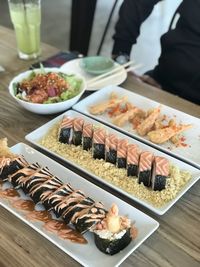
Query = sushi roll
x=113 y=233
x=160 y=173
x=41 y=192
x=66 y=202
x=122 y=153
x=111 y=148
x=77 y=131
x=145 y=166
x=39 y=177
x=87 y=136
x=65 y=130
x=8 y=166
x=90 y=217
x=57 y=196
x=99 y=143
x=76 y=209
x=132 y=160
x=19 y=178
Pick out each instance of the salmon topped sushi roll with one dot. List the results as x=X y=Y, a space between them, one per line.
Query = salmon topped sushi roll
x=99 y=136
x=87 y=136
x=77 y=131
x=65 y=130
x=111 y=148
x=145 y=166
x=133 y=155
x=122 y=153
x=160 y=173
x=9 y=166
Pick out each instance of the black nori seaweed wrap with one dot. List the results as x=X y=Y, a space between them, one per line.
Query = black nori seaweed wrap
x=145 y=177
x=87 y=143
x=18 y=178
x=159 y=183
x=77 y=138
x=9 y=166
x=121 y=162
x=112 y=247
x=91 y=217
x=111 y=156
x=132 y=170
x=42 y=191
x=98 y=151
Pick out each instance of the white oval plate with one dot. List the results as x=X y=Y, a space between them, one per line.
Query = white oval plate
x=73 y=67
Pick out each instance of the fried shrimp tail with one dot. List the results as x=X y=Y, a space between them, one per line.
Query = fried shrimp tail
x=121 y=119
x=148 y=123
x=104 y=106
x=162 y=135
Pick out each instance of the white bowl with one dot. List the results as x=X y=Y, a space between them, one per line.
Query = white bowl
x=46 y=108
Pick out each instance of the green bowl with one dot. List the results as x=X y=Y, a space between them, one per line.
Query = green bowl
x=97 y=64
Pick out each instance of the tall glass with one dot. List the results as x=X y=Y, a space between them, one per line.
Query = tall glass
x=26 y=18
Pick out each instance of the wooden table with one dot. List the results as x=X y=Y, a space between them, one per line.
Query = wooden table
x=175 y=243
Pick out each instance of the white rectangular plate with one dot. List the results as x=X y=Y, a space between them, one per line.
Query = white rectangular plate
x=36 y=135
x=87 y=254
x=190 y=153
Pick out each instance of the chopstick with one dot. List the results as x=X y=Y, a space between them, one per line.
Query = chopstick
x=106 y=77
x=117 y=69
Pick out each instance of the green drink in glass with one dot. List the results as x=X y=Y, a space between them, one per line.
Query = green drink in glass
x=26 y=18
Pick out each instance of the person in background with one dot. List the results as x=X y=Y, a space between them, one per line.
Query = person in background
x=178 y=69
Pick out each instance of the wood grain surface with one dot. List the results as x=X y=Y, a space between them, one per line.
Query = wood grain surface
x=177 y=241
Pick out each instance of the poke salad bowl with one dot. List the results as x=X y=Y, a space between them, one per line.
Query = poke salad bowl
x=76 y=84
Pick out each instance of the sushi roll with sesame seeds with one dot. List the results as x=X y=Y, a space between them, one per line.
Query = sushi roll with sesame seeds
x=87 y=136
x=77 y=131
x=145 y=168
x=114 y=232
x=122 y=153
x=132 y=160
x=98 y=150
x=66 y=130
x=111 y=148
x=160 y=173
x=19 y=178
